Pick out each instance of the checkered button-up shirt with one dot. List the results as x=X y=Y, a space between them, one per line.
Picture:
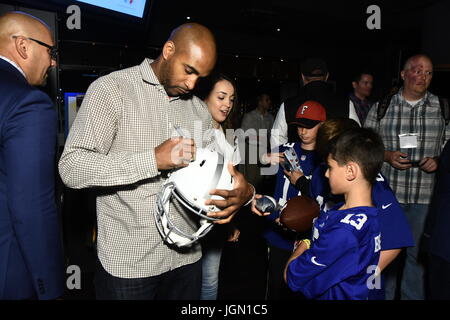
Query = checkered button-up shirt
x=425 y=118
x=111 y=145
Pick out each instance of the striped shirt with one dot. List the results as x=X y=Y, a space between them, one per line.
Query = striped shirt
x=111 y=145
x=424 y=118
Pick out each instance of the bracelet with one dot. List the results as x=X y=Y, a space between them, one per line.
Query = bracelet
x=253 y=197
x=307 y=242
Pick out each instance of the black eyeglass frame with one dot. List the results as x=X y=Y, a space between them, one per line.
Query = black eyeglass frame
x=53 y=50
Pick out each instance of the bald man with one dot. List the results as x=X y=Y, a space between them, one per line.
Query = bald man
x=31 y=261
x=414 y=132
x=121 y=141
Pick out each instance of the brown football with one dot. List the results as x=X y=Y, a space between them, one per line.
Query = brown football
x=299 y=212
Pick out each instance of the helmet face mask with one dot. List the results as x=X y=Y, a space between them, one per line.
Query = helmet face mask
x=191 y=186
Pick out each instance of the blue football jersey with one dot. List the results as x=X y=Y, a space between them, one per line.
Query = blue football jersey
x=395 y=229
x=394 y=226
x=393 y=223
x=344 y=254
x=284 y=191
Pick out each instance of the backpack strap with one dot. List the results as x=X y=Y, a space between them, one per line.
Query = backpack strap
x=443 y=102
x=383 y=104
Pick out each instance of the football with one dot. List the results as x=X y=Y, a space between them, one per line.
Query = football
x=299 y=213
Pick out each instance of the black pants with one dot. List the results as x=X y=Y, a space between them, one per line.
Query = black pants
x=277 y=289
x=183 y=283
x=438 y=278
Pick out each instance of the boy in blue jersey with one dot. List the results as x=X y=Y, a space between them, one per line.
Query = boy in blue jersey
x=344 y=254
x=394 y=227
x=309 y=117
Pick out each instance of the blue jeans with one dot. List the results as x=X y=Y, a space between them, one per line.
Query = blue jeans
x=182 y=283
x=412 y=283
x=210 y=272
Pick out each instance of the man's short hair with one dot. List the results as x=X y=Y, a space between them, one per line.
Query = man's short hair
x=361 y=145
x=357 y=77
x=407 y=64
x=260 y=96
x=314 y=68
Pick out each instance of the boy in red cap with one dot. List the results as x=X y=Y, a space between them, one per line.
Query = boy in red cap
x=290 y=182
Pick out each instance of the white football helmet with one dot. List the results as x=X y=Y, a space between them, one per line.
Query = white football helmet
x=191 y=186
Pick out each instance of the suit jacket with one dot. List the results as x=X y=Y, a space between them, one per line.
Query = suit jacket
x=31 y=260
x=438 y=220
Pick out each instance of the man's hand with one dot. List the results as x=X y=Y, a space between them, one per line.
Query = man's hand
x=174 y=153
x=397 y=159
x=293 y=176
x=400 y=161
x=256 y=211
x=234 y=235
x=272 y=158
x=233 y=199
x=428 y=164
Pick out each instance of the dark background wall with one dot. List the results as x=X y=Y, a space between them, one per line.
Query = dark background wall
x=250 y=47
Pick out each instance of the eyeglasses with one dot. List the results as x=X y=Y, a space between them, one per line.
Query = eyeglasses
x=52 y=50
x=419 y=72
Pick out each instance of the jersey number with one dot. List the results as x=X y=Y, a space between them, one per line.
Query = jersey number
x=355 y=220
x=289 y=145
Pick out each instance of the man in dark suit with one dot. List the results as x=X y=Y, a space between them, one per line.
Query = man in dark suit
x=31 y=260
x=436 y=238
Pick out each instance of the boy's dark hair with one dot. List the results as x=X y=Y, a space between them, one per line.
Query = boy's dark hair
x=361 y=145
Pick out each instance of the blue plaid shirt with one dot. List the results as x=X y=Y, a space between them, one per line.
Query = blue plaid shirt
x=411 y=185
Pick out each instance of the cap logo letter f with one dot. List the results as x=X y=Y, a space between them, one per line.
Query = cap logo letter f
x=304 y=109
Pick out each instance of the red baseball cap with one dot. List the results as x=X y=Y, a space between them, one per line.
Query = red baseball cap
x=309 y=114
